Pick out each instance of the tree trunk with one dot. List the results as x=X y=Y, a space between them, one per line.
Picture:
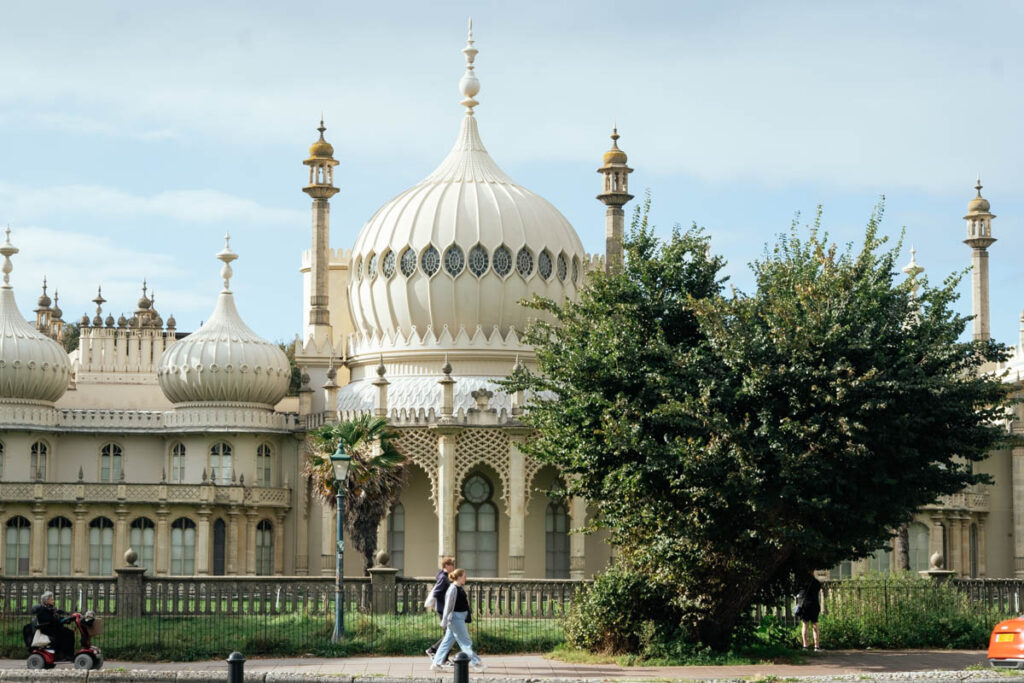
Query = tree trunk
x=901 y=547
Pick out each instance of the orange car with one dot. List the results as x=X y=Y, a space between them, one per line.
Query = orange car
x=1006 y=644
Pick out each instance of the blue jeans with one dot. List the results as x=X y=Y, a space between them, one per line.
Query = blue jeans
x=456 y=633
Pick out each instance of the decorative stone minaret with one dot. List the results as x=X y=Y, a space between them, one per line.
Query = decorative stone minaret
x=614 y=196
x=913 y=269
x=321 y=188
x=979 y=238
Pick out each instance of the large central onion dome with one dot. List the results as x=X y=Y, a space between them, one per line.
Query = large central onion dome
x=224 y=361
x=33 y=367
x=462 y=247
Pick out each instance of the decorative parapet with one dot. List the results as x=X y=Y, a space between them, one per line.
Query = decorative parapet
x=28 y=415
x=223 y=419
x=361 y=344
x=229 y=418
x=971 y=499
x=593 y=262
x=168 y=494
x=337 y=258
x=128 y=420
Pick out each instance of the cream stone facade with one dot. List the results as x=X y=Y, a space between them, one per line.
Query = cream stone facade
x=185 y=448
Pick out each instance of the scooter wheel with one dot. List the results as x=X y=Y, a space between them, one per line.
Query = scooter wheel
x=36 y=661
x=99 y=661
x=83 y=661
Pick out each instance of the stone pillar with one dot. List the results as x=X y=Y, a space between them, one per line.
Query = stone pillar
x=279 y=542
x=382 y=534
x=982 y=547
x=301 y=497
x=614 y=222
x=233 y=549
x=121 y=539
x=577 y=541
x=203 y=541
x=964 y=525
x=446 y=492
x=382 y=588
x=328 y=539
x=162 y=544
x=37 y=565
x=80 y=542
x=130 y=591
x=1018 y=511
x=251 y=520
x=517 y=508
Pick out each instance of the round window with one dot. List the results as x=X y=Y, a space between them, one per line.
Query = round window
x=476 y=489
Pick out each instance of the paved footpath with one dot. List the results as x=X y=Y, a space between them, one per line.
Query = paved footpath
x=861 y=664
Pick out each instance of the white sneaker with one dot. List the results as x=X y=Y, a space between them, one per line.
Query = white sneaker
x=435 y=667
x=479 y=666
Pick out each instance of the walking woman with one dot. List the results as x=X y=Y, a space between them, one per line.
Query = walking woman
x=454 y=619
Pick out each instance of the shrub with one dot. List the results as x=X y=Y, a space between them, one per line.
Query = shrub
x=622 y=612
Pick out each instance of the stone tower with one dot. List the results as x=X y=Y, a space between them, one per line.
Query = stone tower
x=614 y=195
x=321 y=188
x=979 y=238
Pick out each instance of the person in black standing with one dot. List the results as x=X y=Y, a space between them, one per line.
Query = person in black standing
x=437 y=595
x=808 y=607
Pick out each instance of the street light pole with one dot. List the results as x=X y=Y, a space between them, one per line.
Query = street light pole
x=340 y=460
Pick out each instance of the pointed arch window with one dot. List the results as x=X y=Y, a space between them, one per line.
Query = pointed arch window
x=478 y=260
x=141 y=540
x=575 y=270
x=556 y=527
x=388 y=264
x=110 y=462
x=265 y=548
x=371 y=266
x=39 y=454
x=177 y=463
x=544 y=264
x=408 y=262
x=430 y=261
x=524 y=262
x=502 y=261
x=563 y=267
x=58 y=547
x=219 y=543
x=183 y=547
x=101 y=547
x=918 y=535
x=264 y=454
x=220 y=463
x=454 y=260
x=17 y=543
x=477 y=536
x=396 y=537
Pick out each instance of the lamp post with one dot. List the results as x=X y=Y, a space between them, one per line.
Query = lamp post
x=340 y=461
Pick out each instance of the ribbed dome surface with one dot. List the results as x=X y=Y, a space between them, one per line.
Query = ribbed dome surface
x=460 y=249
x=33 y=367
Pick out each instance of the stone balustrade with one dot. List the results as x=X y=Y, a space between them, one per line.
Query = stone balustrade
x=83 y=492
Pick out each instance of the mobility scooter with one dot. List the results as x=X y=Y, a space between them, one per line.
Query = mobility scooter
x=87 y=656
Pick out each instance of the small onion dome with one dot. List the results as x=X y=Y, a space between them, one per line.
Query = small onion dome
x=109 y=322
x=171 y=322
x=979 y=204
x=33 y=367
x=84 y=322
x=121 y=320
x=614 y=155
x=321 y=149
x=224 y=361
x=44 y=300
x=57 y=313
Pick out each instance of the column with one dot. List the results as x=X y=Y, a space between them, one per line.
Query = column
x=251 y=520
x=121 y=539
x=162 y=548
x=613 y=231
x=80 y=542
x=279 y=542
x=37 y=566
x=964 y=524
x=328 y=539
x=446 y=493
x=233 y=549
x=1018 y=512
x=577 y=541
x=517 y=508
x=982 y=549
x=301 y=531
x=382 y=534
x=203 y=541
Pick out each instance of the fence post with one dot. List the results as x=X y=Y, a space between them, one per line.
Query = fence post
x=130 y=595
x=236 y=667
x=461 y=661
x=382 y=586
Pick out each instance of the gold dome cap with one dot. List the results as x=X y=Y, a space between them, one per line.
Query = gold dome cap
x=979 y=204
x=321 y=149
x=614 y=155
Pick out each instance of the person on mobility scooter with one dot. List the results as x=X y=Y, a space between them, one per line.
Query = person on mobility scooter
x=49 y=642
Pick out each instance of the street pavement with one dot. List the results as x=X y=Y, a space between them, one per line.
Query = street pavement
x=830 y=663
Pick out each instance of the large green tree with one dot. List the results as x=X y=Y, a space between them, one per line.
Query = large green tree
x=376 y=476
x=731 y=441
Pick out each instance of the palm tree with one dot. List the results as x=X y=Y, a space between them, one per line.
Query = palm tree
x=376 y=476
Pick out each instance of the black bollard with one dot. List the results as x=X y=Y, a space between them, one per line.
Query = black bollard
x=236 y=667
x=461 y=668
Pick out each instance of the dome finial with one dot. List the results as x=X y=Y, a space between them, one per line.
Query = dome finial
x=978 y=186
x=468 y=84
x=227 y=256
x=322 y=128
x=8 y=250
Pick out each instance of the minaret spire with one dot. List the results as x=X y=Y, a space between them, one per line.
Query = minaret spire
x=469 y=85
x=321 y=188
x=979 y=239
x=615 y=194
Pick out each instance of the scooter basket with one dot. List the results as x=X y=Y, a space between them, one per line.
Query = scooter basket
x=95 y=628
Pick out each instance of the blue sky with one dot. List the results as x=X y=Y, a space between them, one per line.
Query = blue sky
x=134 y=135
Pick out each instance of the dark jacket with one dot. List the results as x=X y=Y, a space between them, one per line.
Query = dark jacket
x=47 y=620
x=439 y=590
x=807 y=599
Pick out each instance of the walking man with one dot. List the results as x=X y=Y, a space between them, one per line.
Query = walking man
x=437 y=595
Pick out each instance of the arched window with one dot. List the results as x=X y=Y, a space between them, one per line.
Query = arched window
x=265 y=548
x=183 y=547
x=219 y=543
x=430 y=260
x=556 y=525
x=140 y=540
x=17 y=539
x=220 y=463
x=544 y=264
x=396 y=537
x=408 y=262
x=37 y=461
x=178 y=463
x=973 y=547
x=263 y=464
x=879 y=562
x=110 y=462
x=502 y=261
x=917 y=534
x=454 y=260
x=476 y=541
x=58 y=547
x=101 y=547
x=524 y=262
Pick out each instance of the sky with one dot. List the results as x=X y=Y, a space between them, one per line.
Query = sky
x=133 y=136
